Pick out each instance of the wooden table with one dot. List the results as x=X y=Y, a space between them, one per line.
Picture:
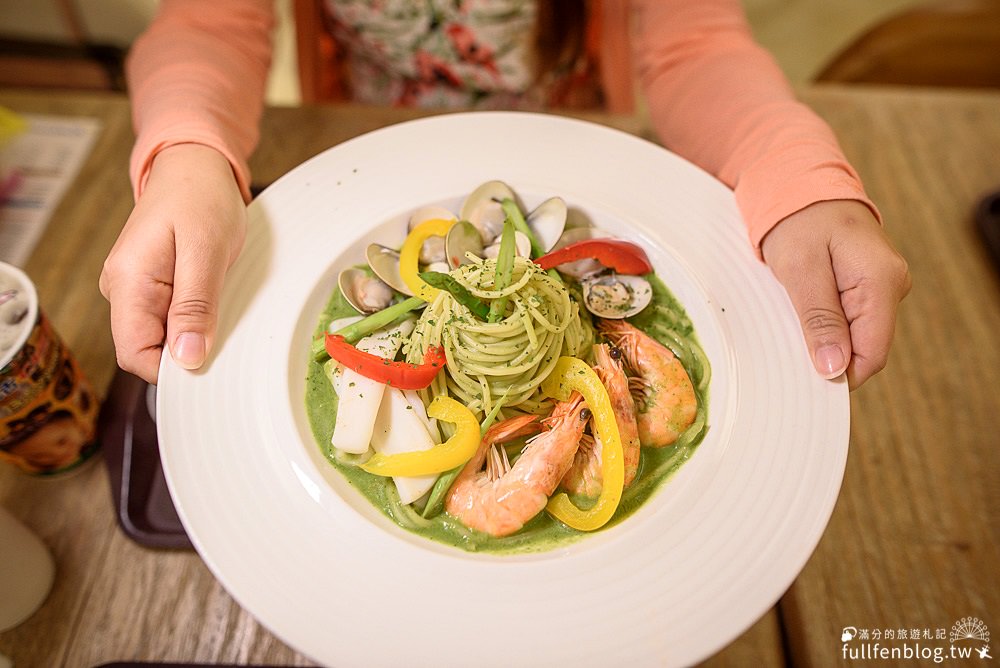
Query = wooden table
x=913 y=542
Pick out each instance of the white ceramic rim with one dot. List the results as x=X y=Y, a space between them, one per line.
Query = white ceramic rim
x=295 y=545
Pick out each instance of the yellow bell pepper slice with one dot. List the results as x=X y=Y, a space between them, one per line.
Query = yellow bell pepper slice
x=571 y=374
x=409 y=256
x=454 y=452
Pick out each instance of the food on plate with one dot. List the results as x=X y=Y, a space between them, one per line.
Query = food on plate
x=505 y=381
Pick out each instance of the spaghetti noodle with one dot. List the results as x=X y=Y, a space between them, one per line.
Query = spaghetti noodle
x=512 y=356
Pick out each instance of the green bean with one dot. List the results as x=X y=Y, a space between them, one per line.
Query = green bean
x=505 y=270
x=461 y=294
x=435 y=502
x=488 y=420
x=516 y=218
x=513 y=213
x=362 y=328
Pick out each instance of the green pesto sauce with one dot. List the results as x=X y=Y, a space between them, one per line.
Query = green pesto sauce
x=664 y=319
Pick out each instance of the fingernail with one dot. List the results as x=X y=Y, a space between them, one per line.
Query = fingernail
x=830 y=361
x=189 y=350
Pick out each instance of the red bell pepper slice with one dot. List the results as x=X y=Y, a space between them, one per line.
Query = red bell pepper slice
x=624 y=257
x=402 y=375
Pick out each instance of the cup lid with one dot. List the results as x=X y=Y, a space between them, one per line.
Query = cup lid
x=14 y=278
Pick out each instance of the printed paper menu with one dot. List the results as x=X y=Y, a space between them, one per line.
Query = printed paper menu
x=36 y=168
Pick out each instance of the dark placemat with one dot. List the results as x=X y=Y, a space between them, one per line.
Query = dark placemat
x=144 y=664
x=987 y=217
x=128 y=435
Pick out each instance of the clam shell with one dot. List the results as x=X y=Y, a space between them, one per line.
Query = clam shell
x=548 y=222
x=463 y=237
x=614 y=297
x=384 y=262
x=522 y=246
x=367 y=294
x=482 y=208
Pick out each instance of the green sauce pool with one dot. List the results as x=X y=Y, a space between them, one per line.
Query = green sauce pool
x=664 y=320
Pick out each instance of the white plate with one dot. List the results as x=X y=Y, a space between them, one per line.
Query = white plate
x=325 y=571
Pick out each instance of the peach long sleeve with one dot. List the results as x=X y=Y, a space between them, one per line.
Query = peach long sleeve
x=198 y=75
x=715 y=96
x=720 y=100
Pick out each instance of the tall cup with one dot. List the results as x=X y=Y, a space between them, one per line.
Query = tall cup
x=48 y=412
x=26 y=571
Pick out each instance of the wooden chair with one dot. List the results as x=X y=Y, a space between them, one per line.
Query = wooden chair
x=72 y=62
x=320 y=76
x=945 y=43
x=89 y=67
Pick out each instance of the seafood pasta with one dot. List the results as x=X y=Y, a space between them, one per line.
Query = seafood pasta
x=504 y=382
x=512 y=356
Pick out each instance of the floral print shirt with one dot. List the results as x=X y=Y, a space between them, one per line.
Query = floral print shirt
x=442 y=53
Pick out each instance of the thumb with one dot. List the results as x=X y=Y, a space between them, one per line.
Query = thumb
x=193 y=313
x=816 y=299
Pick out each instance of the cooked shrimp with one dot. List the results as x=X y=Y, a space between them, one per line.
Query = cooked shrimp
x=500 y=504
x=664 y=395
x=584 y=477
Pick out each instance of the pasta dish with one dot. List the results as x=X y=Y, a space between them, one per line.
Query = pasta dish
x=506 y=381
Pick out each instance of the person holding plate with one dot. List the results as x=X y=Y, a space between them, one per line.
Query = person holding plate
x=715 y=97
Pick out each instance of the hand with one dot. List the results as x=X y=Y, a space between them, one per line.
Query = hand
x=164 y=275
x=845 y=281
